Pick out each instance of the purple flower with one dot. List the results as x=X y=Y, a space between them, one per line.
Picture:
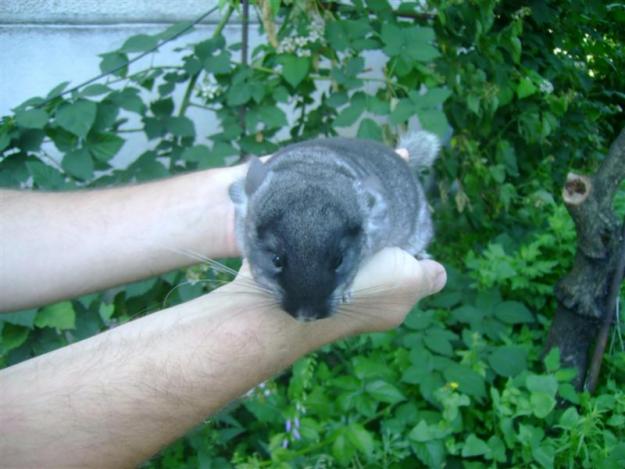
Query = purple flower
x=287 y=425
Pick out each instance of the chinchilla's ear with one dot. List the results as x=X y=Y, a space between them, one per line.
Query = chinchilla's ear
x=375 y=205
x=256 y=174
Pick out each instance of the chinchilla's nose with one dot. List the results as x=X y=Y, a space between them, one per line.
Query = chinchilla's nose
x=306 y=312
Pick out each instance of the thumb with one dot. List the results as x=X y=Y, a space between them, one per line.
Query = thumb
x=390 y=283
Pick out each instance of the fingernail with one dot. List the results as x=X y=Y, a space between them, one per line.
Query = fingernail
x=437 y=274
x=440 y=279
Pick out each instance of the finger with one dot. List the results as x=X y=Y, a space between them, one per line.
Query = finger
x=244 y=271
x=393 y=268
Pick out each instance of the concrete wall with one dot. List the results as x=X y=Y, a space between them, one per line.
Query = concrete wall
x=46 y=42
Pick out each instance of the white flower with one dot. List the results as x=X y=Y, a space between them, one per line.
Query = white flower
x=209 y=88
x=546 y=86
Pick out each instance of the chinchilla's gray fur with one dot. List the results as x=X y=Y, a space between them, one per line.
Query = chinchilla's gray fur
x=308 y=217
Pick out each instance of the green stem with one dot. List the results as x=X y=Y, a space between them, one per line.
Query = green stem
x=193 y=80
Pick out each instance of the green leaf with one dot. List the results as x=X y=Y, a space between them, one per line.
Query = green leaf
x=181 y=126
x=57 y=90
x=77 y=117
x=238 y=94
x=434 y=121
x=106 y=311
x=60 y=316
x=418 y=320
x=513 y=312
x=114 y=61
x=474 y=446
x=437 y=340
x=294 y=69
x=272 y=116
x=129 y=99
x=105 y=146
x=12 y=337
x=508 y=360
x=368 y=368
x=139 y=43
x=140 y=288
x=196 y=154
x=433 y=98
x=351 y=113
x=218 y=64
x=205 y=49
x=552 y=360
x=95 y=90
x=544 y=455
x=24 y=318
x=45 y=176
x=415 y=374
x=369 y=129
x=32 y=119
x=403 y=111
x=569 y=418
x=78 y=163
x=162 y=107
x=422 y=432
x=392 y=38
x=385 y=392
x=542 y=404
x=469 y=381
x=360 y=438
x=342 y=450
x=525 y=88
x=568 y=392
x=539 y=383
x=424 y=53
x=4 y=141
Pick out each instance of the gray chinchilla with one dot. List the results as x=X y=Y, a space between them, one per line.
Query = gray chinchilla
x=308 y=217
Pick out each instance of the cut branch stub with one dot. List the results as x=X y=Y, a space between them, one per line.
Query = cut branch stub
x=576 y=189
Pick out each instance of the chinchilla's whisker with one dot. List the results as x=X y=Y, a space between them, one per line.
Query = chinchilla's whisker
x=218 y=266
x=200 y=257
x=375 y=289
x=358 y=312
x=172 y=290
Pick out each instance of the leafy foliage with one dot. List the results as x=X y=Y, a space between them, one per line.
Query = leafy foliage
x=522 y=94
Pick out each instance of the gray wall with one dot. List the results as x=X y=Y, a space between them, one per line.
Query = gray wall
x=46 y=42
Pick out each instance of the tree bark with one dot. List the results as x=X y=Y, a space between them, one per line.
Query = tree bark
x=583 y=294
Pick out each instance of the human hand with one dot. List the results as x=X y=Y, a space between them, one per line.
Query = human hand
x=386 y=288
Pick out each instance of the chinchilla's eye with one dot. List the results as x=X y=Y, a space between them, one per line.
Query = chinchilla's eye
x=338 y=261
x=278 y=261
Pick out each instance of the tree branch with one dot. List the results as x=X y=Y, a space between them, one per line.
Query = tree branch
x=612 y=171
x=585 y=294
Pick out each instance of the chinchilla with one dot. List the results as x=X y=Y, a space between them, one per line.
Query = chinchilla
x=308 y=217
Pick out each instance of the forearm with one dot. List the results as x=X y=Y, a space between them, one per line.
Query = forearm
x=115 y=399
x=61 y=245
